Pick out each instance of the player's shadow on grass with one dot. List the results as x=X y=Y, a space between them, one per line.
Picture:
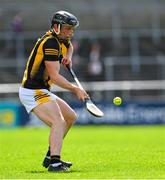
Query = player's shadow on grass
x=42 y=171
x=35 y=172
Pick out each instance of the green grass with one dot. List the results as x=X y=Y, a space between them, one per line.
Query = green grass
x=129 y=152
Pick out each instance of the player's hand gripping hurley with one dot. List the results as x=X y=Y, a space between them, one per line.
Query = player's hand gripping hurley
x=91 y=107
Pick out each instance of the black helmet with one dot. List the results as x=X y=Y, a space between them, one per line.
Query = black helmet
x=64 y=17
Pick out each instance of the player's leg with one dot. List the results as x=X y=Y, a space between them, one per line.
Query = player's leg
x=68 y=113
x=70 y=117
x=50 y=113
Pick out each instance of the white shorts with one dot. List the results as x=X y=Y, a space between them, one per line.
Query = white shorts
x=31 y=98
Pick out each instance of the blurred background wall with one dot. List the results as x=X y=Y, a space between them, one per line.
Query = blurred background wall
x=118 y=41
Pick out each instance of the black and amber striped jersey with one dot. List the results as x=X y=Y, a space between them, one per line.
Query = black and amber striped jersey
x=47 y=48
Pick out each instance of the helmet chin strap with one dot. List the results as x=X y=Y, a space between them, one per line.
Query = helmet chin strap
x=58 y=29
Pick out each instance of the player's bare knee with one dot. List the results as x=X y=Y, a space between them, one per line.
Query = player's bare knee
x=74 y=116
x=60 y=122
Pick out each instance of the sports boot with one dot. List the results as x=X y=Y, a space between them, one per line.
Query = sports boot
x=57 y=167
x=46 y=162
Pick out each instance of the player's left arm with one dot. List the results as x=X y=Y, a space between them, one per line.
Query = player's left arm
x=67 y=58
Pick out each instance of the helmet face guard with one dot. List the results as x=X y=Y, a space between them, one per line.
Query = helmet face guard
x=63 y=17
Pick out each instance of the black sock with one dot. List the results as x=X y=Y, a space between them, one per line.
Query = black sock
x=55 y=159
x=48 y=153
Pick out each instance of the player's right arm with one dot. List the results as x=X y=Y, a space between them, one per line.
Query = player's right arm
x=53 y=71
x=51 y=54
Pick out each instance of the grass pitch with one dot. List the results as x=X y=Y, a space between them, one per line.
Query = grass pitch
x=129 y=152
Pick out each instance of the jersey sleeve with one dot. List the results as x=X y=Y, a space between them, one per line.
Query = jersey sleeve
x=51 y=50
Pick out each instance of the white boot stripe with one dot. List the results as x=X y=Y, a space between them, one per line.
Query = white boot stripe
x=56 y=164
